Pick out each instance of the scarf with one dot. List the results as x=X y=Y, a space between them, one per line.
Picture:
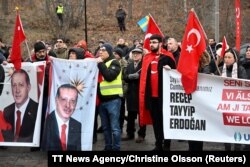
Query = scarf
x=234 y=71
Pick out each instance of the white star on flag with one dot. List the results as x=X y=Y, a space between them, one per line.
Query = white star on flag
x=189 y=48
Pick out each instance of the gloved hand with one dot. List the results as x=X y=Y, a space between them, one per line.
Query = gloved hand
x=133 y=76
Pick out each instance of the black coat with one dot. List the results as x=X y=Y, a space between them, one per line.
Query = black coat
x=246 y=65
x=133 y=87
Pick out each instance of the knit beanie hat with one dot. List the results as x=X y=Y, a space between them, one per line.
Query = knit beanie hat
x=39 y=46
x=156 y=36
x=119 y=51
x=108 y=48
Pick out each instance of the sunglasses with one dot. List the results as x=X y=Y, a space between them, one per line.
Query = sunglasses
x=59 y=41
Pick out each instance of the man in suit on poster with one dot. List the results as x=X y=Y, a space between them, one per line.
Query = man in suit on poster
x=21 y=114
x=62 y=132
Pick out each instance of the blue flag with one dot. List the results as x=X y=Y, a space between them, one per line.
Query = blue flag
x=143 y=23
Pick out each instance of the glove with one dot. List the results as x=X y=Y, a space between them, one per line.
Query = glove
x=133 y=76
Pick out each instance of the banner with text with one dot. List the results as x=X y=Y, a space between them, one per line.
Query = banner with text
x=218 y=111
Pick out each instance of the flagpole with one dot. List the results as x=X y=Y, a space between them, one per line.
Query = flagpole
x=214 y=59
x=199 y=22
x=28 y=49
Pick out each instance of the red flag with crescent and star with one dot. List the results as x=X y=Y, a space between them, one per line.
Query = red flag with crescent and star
x=19 y=37
x=193 y=45
x=152 y=29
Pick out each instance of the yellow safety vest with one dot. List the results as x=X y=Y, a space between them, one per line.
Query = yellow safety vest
x=59 y=9
x=114 y=87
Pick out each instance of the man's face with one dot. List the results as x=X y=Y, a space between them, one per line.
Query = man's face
x=121 y=41
x=20 y=89
x=41 y=54
x=211 y=41
x=60 y=43
x=66 y=103
x=154 y=45
x=137 y=56
x=103 y=53
x=172 y=45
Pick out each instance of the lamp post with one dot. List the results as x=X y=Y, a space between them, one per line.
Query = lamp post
x=217 y=17
x=85 y=15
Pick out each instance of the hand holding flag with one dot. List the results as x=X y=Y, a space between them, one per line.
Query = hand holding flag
x=193 y=45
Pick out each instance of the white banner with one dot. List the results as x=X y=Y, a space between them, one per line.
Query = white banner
x=218 y=111
x=83 y=75
x=22 y=91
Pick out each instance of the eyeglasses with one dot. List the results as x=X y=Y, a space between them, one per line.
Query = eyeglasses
x=153 y=42
x=102 y=49
x=59 y=41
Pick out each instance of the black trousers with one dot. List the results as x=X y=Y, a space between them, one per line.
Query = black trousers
x=132 y=115
x=121 y=23
x=157 y=118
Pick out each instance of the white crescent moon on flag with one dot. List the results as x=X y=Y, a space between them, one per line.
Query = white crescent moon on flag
x=148 y=35
x=237 y=10
x=197 y=34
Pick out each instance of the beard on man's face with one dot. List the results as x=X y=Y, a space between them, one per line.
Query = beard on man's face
x=154 y=49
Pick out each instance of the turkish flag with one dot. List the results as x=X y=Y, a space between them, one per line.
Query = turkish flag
x=152 y=29
x=19 y=37
x=224 y=46
x=193 y=45
x=238 y=23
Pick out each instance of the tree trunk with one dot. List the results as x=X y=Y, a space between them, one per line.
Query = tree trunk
x=130 y=5
x=104 y=7
x=5 y=7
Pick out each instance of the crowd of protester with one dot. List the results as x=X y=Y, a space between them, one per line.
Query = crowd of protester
x=125 y=66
